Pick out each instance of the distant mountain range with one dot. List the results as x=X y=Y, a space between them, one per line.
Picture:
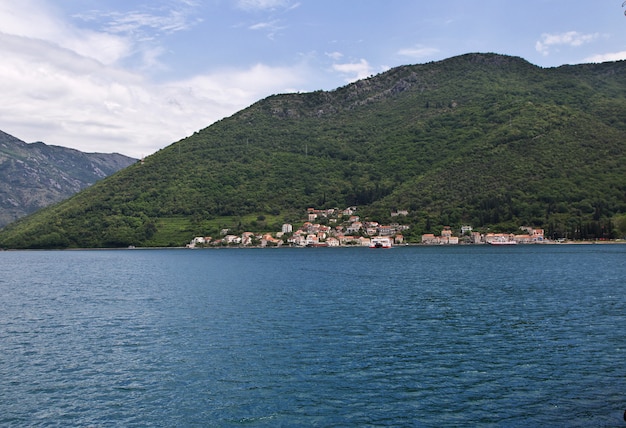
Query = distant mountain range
x=485 y=140
x=36 y=175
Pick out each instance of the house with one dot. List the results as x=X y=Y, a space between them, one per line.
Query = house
x=446 y=238
x=533 y=236
x=349 y=211
x=199 y=240
x=371 y=230
x=348 y=240
x=247 y=238
x=320 y=213
x=466 y=229
x=287 y=228
x=429 y=238
x=499 y=237
x=312 y=239
x=298 y=240
x=354 y=227
x=332 y=242
x=364 y=242
x=522 y=239
x=324 y=229
x=386 y=230
x=269 y=240
x=371 y=227
x=232 y=240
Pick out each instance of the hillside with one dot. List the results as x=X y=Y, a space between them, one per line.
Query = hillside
x=36 y=175
x=480 y=139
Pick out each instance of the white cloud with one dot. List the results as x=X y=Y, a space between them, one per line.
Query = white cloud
x=233 y=88
x=356 y=70
x=139 y=30
x=65 y=86
x=32 y=19
x=263 y=26
x=271 y=28
x=58 y=96
x=336 y=56
x=570 y=38
x=418 y=52
x=139 y=23
x=263 y=4
x=614 y=56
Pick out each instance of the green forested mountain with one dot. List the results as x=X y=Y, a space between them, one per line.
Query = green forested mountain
x=480 y=139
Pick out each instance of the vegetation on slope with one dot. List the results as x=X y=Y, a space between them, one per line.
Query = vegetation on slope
x=481 y=139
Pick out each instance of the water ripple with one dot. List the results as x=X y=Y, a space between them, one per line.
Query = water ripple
x=408 y=337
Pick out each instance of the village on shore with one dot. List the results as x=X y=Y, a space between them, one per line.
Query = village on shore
x=345 y=228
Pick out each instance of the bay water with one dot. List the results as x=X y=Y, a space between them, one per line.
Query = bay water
x=529 y=335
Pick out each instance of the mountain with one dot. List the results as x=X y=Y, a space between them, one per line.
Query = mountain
x=485 y=140
x=36 y=175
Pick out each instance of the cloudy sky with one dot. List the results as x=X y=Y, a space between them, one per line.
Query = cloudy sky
x=133 y=76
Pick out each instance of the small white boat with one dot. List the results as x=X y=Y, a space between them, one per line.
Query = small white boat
x=502 y=242
x=380 y=243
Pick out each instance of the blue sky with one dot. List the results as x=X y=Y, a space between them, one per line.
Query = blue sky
x=133 y=76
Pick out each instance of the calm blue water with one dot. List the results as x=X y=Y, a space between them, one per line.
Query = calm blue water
x=419 y=336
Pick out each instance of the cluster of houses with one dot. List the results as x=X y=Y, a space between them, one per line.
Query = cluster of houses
x=335 y=228
x=531 y=236
x=340 y=228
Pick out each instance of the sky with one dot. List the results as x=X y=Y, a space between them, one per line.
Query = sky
x=134 y=76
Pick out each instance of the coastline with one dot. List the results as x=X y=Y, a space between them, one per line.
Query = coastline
x=226 y=247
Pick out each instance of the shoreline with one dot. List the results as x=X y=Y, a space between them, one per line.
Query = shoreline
x=597 y=242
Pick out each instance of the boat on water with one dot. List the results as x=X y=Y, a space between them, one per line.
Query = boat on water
x=380 y=243
x=502 y=242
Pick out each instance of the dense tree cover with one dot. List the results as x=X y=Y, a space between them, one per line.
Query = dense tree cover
x=480 y=139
